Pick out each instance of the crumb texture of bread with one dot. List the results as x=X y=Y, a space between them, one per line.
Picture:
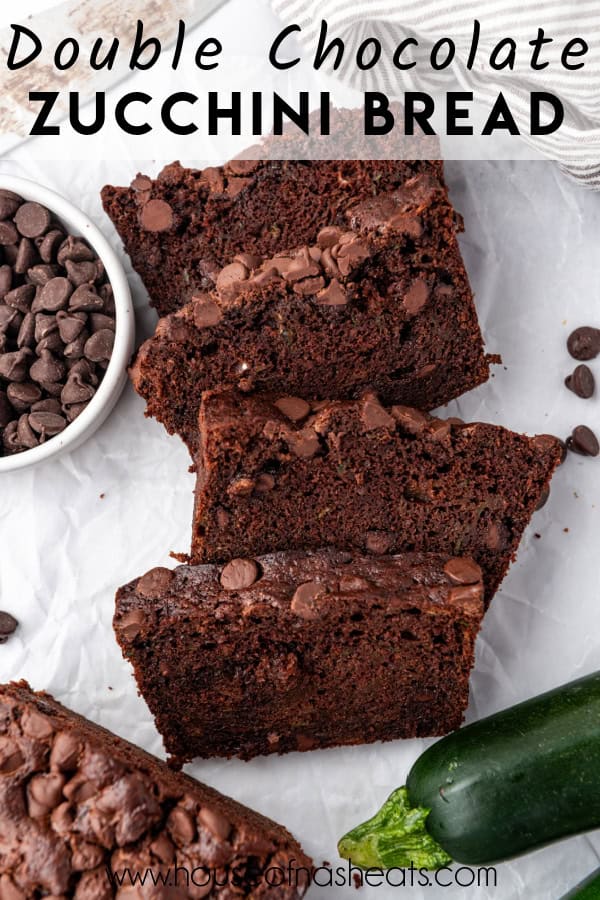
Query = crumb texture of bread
x=381 y=300
x=182 y=227
x=79 y=807
x=362 y=477
x=297 y=651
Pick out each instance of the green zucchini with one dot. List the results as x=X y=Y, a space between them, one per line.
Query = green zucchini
x=495 y=789
x=586 y=890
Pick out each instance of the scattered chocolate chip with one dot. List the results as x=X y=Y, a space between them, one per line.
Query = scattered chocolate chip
x=264 y=483
x=303 y=443
x=216 y=823
x=581 y=382
x=584 y=343
x=156 y=215
x=239 y=574
x=75 y=249
x=26 y=256
x=583 y=441
x=411 y=420
x=8 y=625
x=85 y=299
x=293 y=408
x=47 y=368
x=463 y=571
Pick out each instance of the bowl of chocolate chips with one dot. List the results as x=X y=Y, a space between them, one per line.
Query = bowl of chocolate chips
x=66 y=325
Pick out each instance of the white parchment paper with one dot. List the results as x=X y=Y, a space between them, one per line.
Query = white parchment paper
x=72 y=531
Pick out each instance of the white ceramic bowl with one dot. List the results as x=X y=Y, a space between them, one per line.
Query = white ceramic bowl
x=111 y=386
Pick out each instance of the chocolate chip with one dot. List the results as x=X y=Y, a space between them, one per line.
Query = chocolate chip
x=47 y=368
x=81 y=272
x=304 y=443
x=14 y=366
x=332 y=295
x=85 y=299
x=379 y=542
x=9 y=204
x=583 y=441
x=416 y=297
x=6 y=278
x=32 y=219
x=8 y=234
x=155 y=583
x=50 y=404
x=44 y=793
x=75 y=349
x=156 y=215
x=411 y=420
x=206 y=312
x=329 y=236
x=21 y=297
x=46 y=423
x=49 y=245
x=65 y=752
x=141 y=183
x=181 y=826
x=216 y=823
x=303 y=601
x=42 y=274
x=98 y=321
x=25 y=434
x=74 y=249
x=6 y=411
x=584 y=343
x=294 y=408
x=26 y=256
x=374 y=415
x=230 y=277
x=581 y=382
x=8 y=625
x=70 y=325
x=100 y=345
x=239 y=574
x=131 y=623
x=76 y=390
x=470 y=595
x=23 y=394
x=26 y=335
x=55 y=294
x=463 y=571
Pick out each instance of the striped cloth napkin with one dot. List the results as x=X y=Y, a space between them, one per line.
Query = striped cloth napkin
x=576 y=145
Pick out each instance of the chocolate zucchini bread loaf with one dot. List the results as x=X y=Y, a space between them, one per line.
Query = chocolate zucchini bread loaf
x=382 y=300
x=185 y=225
x=82 y=812
x=276 y=472
x=294 y=651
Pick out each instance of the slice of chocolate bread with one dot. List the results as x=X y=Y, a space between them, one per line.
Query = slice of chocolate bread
x=294 y=651
x=185 y=225
x=83 y=813
x=381 y=301
x=275 y=474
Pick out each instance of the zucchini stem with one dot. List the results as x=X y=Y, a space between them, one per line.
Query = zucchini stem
x=394 y=838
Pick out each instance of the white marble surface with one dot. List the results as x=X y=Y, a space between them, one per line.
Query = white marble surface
x=531 y=247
